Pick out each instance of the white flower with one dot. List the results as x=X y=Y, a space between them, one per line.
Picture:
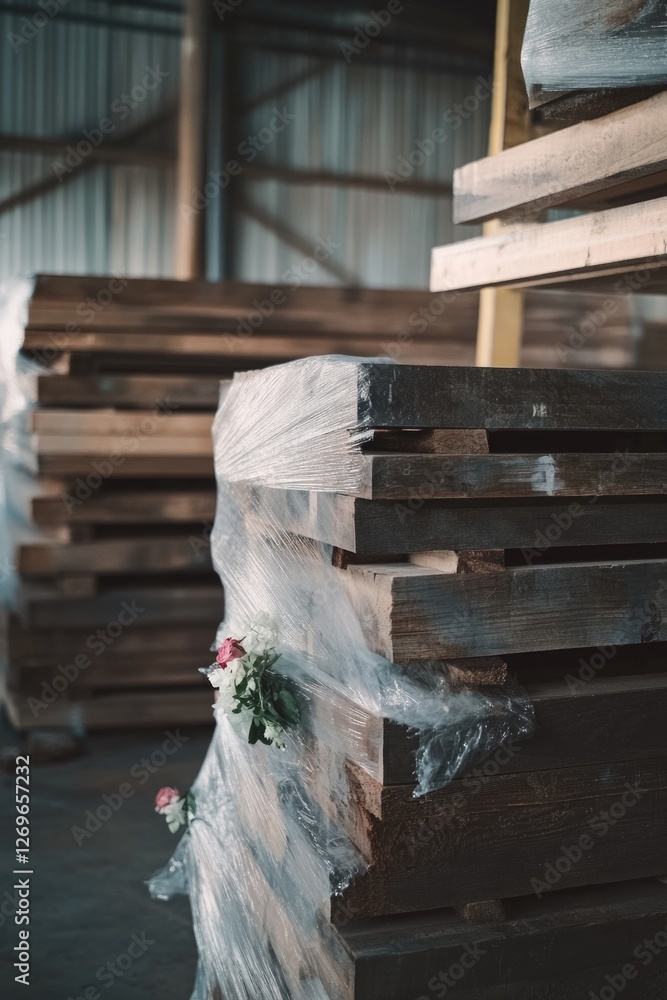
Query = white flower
x=174 y=814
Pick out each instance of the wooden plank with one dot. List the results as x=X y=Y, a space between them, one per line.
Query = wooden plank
x=530 y=398
x=133 y=391
x=408 y=612
x=118 y=711
x=556 y=948
x=456 y=845
x=147 y=605
x=128 y=506
x=156 y=303
x=604 y=157
x=119 y=555
x=382 y=527
x=577 y=722
x=267 y=348
x=85 y=423
x=127 y=466
x=100 y=444
x=617 y=241
x=400 y=477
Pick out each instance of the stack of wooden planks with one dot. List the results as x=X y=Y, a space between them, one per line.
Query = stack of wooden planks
x=125 y=498
x=611 y=170
x=508 y=523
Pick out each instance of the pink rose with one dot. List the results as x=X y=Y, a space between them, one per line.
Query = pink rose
x=165 y=797
x=231 y=649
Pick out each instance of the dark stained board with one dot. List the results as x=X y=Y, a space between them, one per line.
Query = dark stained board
x=417 y=525
x=412 y=612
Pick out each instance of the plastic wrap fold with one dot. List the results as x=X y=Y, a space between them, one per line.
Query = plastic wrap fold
x=266 y=852
x=18 y=463
x=594 y=44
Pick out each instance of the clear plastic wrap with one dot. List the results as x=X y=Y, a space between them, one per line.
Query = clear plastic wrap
x=266 y=851
x=18 y=463
x=593 y=44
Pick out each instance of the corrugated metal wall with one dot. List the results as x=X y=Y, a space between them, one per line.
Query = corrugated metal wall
x=359 y=118
x=368 y=120
x=64 y=79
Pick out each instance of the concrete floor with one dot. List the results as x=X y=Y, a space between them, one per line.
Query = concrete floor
x=88 y=901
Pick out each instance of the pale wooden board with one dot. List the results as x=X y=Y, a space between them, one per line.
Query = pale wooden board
x=408 y=612
x=148 y=444
x=600 y=246
x=150 y=423
x=605 y=156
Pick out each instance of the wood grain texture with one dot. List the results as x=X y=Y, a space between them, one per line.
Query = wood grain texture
x=557 y=948
x=126 y=507
x=616 y=241
x=401 y=477
x=169 y=467
x=127 y=556
x=383 y=527
x=428 y=852
x=131 y=391
x=604 y=157
x=407 y=612
x=491 y=398
x=147 y=605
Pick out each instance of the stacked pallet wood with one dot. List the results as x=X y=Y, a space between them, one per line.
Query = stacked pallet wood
x=611 y=170
x=125 y=495
x=485 y=525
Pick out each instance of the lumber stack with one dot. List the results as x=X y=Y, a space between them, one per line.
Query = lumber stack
x=124 y=496
x=611 y=170
x=484 y=525
x=120 y=510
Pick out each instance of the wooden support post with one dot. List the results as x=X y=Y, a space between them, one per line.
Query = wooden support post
x=501 y=309
x=190 y=221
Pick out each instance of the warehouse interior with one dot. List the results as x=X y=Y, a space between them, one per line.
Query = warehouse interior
x=333 y=348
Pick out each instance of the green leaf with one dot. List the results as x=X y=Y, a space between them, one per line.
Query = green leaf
x=287 y=706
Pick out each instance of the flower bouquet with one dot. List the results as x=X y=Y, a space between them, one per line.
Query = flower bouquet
x=250 y=692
